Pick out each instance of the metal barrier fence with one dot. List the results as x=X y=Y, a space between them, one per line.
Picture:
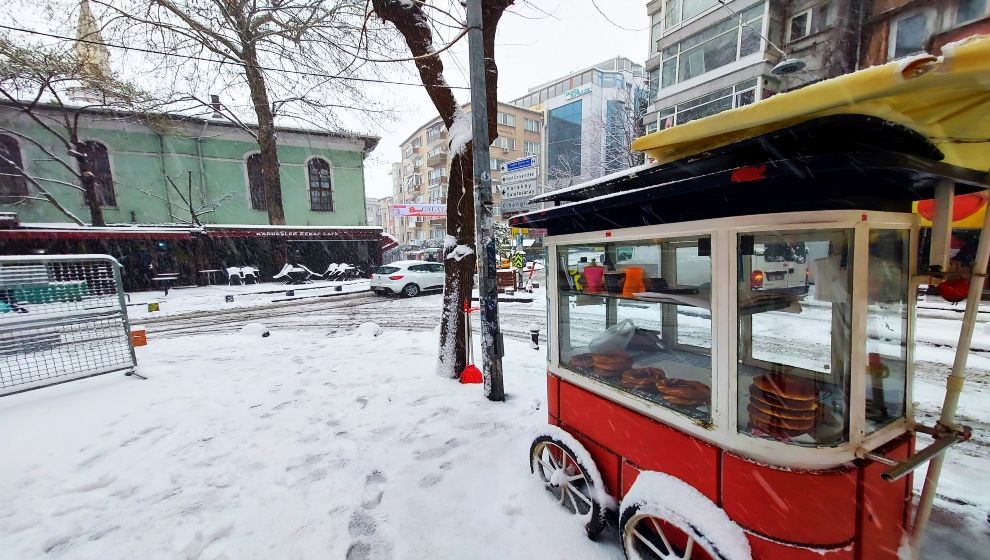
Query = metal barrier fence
x=62 y=317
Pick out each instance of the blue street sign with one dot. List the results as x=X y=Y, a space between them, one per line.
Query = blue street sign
x=520 y=164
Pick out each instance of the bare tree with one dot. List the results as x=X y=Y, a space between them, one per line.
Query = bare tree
x=189 y=204
x=286 y=53
x=44 y=84
x=415 y=20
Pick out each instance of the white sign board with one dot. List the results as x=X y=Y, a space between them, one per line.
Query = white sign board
x=520 y=204
x=521 y=175
x=520 y=189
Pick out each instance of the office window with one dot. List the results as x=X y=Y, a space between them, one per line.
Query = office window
x=679 y=11
x=723 y=43
x=564 y=140
x=505 y=143
x=532 y=125
x=970 y=10
x=909 y=33
x=434 y=176
x=99 y=163
x=656 y=31
x=320 y=193
x=743 y=93
x=531 y=148
x=808 y=22
x=11 y=181
x=506 y=119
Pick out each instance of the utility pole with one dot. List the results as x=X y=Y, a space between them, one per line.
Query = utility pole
x=491 y=336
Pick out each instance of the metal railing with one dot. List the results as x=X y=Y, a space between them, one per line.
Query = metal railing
x=62 y=317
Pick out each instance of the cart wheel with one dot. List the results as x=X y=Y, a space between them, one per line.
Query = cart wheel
x=664 y=518
x=567 y=480
x=648 y=536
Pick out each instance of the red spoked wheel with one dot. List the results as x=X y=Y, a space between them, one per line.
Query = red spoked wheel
x=648 y=536
x=664 y=518
x=567 y=480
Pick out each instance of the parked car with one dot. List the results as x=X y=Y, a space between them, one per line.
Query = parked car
x=407 y=278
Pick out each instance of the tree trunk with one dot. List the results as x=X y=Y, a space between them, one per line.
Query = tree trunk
x=414 y=25
x=270 y=175
x=459 y=274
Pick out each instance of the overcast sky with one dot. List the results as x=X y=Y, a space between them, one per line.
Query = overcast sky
x=531 y=49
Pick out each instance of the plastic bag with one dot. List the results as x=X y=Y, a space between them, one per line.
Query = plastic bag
x=614 y=339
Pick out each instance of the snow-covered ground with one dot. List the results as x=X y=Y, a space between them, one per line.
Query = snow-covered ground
x=297 y=445
x=325 y=441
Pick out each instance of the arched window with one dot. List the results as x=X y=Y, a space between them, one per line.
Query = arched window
x=99 y=164
x=320 y=193
x=256 y=183
x=12 y=182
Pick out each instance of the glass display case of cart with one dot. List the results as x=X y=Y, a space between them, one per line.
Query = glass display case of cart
x=637 y=316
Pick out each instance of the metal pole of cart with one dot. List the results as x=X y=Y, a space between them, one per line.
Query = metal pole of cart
x=954 y=384
x=491 y=336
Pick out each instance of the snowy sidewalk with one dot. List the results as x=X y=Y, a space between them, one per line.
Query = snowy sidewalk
x=282 y=447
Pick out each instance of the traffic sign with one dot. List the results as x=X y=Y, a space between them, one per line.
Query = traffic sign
x=518 y=204
x=522 y=189
x=518 y=164
x=521 y=175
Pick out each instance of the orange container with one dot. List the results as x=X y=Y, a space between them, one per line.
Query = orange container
x=139 y=337
x=634 y=281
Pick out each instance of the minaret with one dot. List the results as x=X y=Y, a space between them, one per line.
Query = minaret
x=92 y=52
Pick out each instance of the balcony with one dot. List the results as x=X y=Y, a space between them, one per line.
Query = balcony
x=433 y=138
x=437 y=159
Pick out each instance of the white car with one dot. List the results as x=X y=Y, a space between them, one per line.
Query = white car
x=408 y=278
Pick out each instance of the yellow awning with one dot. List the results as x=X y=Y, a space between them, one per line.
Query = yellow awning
x=947 y=99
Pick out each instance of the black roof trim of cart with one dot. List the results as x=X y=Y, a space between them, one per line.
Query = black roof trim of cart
x=824 y=135
x=880 y=181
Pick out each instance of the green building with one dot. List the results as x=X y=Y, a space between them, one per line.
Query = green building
x=322 y=172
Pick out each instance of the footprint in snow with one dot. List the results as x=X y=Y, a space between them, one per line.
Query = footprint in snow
x=374 y=489
x=440 y=451
x=361 y=524
x=374 y=550
x=363 y=401
x=429 y=480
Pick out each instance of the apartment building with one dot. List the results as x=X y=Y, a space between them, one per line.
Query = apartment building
x=592 y=116
x=422 y=175
x=706 y=57
x=898 y=28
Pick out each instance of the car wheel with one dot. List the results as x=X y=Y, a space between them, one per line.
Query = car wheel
x=410 y=290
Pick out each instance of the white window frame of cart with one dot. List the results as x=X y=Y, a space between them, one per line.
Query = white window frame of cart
x=723 y=429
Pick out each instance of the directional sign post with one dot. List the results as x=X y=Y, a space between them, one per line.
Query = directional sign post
x=520 y=182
